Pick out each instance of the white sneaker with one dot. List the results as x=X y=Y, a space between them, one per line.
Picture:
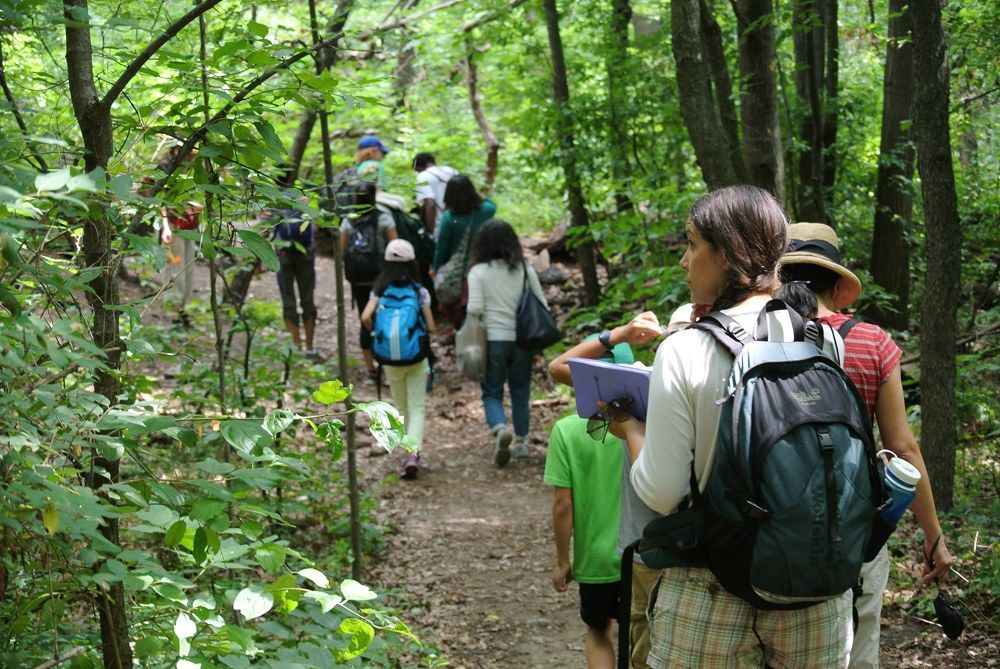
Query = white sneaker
x=520 y=449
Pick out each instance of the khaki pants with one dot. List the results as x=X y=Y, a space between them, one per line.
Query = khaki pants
x=643 y=581
x=874 y=576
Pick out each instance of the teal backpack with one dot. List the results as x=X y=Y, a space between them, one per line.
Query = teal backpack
x=788 y=514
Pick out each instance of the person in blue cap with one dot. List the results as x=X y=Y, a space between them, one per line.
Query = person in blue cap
x=368 y=160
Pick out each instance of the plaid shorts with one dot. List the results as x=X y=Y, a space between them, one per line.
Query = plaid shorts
x=696 y=623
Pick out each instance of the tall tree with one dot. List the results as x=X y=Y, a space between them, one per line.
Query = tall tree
x=890 y=258
x=831 y=84
x=722 y=85
x=617 y=64
x=698 y=108
x=943 y=244
x=93 y=115
x=568 y=158
x=808 y=38
x=759 y=96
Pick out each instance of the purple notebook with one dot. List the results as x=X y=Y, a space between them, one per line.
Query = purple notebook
x=597 y=380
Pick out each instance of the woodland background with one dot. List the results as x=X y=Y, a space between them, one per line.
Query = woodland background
x=185 y=499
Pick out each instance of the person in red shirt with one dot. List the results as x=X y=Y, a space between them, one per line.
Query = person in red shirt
x=871 y=360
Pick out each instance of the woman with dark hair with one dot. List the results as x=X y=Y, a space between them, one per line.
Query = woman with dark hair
x=466 y=212
x=496 y=281
x=736 y=236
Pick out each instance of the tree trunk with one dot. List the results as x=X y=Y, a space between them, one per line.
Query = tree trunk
x=722 y=83
x=564 y=128
x=94 y=119
x=890 y=259
x=325 y=58
x=489 y=137
x=809 y=38
x=831 y=84
x=698 y=109
x=759 y=96
x=943 y=242
x=617 y=64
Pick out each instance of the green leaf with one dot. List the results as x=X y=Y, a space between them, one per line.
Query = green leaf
x=245 y=434
x=317 y=577
x=330 y=432
x=50 y=181
x=203 y=509
x=271 y=557
x=261 y=477
x=157 y=515
x=324 y=599
x=50 y=518
x=360 y=634
x=241 y=638
x=356 y=592
x=385 y=425
x=278 y=420
x=271 y=138
x=258 y=29
x=261 y=248
x=147 y=646
x=199 y=545
x=331 y=391
x=213 y=466
x=253 y=602
x=174 y=535
x=121 y=186
x=252 y=529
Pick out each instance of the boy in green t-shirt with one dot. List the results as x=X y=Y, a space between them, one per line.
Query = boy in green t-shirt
x=586 y=506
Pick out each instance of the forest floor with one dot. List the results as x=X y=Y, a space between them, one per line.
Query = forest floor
x=469 y=558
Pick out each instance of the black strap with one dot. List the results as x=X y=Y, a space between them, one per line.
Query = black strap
x=846 y=328
x=798 y=323
x=625 y=606
x=826 y=450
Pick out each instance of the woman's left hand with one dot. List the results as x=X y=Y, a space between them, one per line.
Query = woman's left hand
x=937 y=561
x=644 y=328
x=630 y=427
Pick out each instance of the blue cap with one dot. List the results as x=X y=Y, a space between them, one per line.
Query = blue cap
x=370 y=142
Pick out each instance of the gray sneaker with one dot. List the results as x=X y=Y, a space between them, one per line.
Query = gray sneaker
x=520 y=449
x=501 y=449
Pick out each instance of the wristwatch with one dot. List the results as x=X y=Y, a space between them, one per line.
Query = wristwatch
x=605 y=339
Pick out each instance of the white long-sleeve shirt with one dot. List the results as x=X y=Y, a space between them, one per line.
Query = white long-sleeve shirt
x=494 y=291
x=689 y=374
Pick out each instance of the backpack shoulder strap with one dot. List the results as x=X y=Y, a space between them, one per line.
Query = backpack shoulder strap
x=798 y=323
x=730 y=334
x=846 y=328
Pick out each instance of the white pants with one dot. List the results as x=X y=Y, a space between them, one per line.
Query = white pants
x=874 y=576
x=408 y=385
x=179 y=276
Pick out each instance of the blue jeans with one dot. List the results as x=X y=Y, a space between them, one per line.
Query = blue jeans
x=506 y=363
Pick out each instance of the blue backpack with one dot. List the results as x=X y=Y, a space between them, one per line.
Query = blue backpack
x=400 y=333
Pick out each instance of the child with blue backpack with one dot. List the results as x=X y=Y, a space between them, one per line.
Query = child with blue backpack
x=398 y=314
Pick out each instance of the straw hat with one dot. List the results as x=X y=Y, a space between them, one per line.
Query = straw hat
x=817 y=244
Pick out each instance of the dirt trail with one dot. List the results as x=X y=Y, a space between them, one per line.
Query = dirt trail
x=472 y=552
x=469 y=561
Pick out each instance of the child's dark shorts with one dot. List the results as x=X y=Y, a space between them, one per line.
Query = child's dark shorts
x=598 y=603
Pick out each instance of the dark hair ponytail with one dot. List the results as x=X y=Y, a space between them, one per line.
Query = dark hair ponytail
x=750 y=228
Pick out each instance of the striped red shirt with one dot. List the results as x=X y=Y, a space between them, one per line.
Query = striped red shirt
x=870 y=355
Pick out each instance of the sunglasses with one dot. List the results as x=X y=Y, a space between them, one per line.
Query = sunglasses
x=617 y=410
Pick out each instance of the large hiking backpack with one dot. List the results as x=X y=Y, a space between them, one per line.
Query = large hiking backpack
x=400 y=334
x=362 y=258
x=787 y=516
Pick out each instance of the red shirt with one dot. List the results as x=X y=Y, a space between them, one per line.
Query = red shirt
x=870 y=355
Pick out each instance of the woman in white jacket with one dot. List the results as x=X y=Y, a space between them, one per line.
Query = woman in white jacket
x=497 y=278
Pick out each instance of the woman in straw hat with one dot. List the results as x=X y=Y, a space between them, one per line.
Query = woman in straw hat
x=871 y=360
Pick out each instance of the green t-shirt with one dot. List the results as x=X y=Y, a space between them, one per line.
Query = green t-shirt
x=593 y=471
